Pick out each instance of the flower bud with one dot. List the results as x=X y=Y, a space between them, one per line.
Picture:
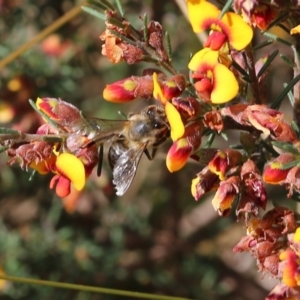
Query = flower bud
x=129 y=89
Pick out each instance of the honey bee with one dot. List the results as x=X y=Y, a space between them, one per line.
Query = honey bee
x=129 y=139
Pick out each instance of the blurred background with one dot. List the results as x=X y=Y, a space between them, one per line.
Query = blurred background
x=156 y=238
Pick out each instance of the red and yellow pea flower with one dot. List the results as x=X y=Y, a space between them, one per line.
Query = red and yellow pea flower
x=69 y=163
x=134 y=87
x=213 y=81
x=290 y=268
x=231 y=28
x=205 y=182
x=185 y=139
x=224 y=161
x=276 y=172
x=226 y=194
x=68 y=169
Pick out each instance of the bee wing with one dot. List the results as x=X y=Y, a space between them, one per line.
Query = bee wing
x=125 y=168
x=100 y=130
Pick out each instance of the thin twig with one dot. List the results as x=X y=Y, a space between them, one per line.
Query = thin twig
x=41 y=35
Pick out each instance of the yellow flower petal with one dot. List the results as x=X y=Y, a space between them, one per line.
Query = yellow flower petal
x=205 y=56
x=295 y=30
x=174 y=118
x=199 y=12
x=297 y=235
x=157 y=91
x=225 y=85
x=239 y=33
x=72 y=168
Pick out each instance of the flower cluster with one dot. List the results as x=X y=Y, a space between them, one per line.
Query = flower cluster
x=225 y=90
x=58 y=151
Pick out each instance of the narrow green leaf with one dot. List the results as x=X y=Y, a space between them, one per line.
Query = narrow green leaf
x=94 y=12
x=108 y=5
x=97 y=4
x=267 y=63
x=286 y=147
x=278 y=20
x=296 y=128
x=269 y=148
x=226 y=7
x=4 y=130
x=290 y=95
x=32 y=175
x=287 y=60
x=277 y=39
x=120 y=7
x=169 y=47
x=123 y=116
x=52 y=139
x=224 y=136
x=277 y=102
x=122 y=37
x=116 y=22
x=240 y=69
x=210 y=140
x=146 y=35
x=262 y=45
x=284 y=28
x=291 y=164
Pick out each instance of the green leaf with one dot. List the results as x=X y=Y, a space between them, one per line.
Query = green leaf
x=277 y=39
x=286 y=146
x=290 y=95
x=94 y=12
x=108 y=5
x=241 y=70
x=226 y=7
x=262 y=45
x=32 y=175
x=278 y=20
x=296 y=128
x=97 y=4
x=287 y=60
x=284 y=28
x=210 y=140
x=290 y=164
x=277 y=102
x=52 y=139
x=4 y=130
x=224 y=136
x=169 y=47
x=120 y=7
x=267 y=63
x=146 y=35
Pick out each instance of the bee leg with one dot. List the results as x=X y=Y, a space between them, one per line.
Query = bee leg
x=152 y=155
x=100 y=161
